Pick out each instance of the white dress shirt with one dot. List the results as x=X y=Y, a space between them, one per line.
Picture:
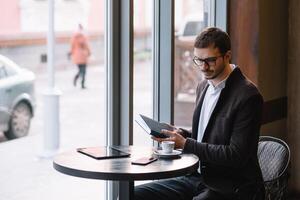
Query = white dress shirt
x=210 y=100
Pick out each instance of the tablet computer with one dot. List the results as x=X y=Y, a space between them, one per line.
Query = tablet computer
x=153 y=127
x=102 y=152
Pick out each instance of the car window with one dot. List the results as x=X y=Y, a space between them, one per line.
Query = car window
x=2 y=72
x=10 y=67
x=193 y=28
x=10 y=71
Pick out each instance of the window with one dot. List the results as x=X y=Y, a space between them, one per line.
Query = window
x=143 y=67
x=191 y=17
x=23 y=39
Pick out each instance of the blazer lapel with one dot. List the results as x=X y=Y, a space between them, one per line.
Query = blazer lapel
x=196 y=115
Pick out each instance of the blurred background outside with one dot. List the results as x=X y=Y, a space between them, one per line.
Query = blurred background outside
x=23 y=39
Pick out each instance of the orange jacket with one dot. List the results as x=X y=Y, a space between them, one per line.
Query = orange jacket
x=80 y=49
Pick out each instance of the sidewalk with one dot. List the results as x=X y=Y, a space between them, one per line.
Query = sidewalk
x=24 y=176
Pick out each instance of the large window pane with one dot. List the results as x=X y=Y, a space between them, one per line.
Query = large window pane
x=143 y=70
x=23 y=31
x=191 y=16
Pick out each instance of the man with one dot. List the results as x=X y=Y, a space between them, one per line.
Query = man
x=80 y=51
x=225 y=131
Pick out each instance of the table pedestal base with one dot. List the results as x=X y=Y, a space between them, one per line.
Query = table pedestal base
x=126 y=190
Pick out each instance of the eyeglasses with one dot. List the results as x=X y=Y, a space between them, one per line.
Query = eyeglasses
x=211 y=61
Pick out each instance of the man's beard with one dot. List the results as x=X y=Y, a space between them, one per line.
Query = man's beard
x=216 y=75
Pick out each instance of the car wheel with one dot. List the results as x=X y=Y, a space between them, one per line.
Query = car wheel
x=20 y=121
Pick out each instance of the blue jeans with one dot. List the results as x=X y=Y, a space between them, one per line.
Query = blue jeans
x=188 y=187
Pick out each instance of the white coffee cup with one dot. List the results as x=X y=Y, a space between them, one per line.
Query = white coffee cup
x=167 y=146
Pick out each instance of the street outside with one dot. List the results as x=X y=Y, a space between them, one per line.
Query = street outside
x=80 y=110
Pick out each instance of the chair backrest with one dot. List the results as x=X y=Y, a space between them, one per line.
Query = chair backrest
x=274 y=158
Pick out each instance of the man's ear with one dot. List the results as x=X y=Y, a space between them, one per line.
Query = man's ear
x=228 y=55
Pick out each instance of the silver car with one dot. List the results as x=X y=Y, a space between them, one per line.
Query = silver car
x=16 y=99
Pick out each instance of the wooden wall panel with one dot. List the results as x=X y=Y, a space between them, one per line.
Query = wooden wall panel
x=243 y=30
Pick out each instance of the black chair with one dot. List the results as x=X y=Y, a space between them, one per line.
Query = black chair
x=274 y=160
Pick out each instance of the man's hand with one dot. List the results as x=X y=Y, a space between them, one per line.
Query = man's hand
x=173 y=136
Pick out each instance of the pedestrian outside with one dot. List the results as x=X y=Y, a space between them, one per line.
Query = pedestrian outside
x=80 y=52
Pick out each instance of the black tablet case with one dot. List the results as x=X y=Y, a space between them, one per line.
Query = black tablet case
x=154 y=127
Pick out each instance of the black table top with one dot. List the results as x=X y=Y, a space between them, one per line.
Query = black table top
x=77 y=164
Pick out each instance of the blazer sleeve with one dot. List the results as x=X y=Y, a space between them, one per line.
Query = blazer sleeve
x=243 y=141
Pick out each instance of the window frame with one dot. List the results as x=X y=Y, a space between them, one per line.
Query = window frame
x=119 y=63
x=119 y=80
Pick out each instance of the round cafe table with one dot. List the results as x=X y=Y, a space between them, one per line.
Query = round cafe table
x=120 y=169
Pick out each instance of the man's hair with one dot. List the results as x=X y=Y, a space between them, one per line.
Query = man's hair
x=214 y=37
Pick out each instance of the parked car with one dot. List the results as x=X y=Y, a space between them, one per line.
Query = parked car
x=17 y=100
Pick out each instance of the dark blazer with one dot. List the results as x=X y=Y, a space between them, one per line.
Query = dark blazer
x=228 y=151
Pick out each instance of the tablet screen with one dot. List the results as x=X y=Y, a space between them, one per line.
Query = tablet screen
x=102 y=152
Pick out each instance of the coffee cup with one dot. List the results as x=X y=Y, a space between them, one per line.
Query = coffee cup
x=167 y=146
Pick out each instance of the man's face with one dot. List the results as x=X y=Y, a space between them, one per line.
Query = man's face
x=210 y=61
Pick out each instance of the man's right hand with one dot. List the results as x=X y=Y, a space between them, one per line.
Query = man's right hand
x=174 y=136
x=174 y=128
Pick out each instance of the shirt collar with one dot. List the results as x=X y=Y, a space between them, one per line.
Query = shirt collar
x=221 y=85
x=218 y=87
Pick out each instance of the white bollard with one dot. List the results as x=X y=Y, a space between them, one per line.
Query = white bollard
x=51 y=123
